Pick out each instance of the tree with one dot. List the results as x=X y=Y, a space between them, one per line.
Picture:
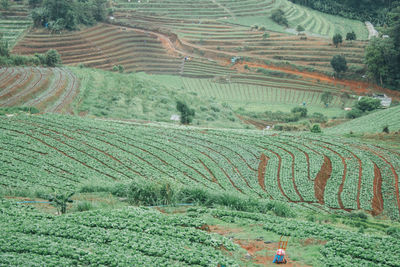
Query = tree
x=339 y=64
x=380 y=59
x=53 y=58
x=300 y=28
x=316 y=128
x=344 y=98
x=60 y=201
x=368 y=104
x=301 y=110
x=5 y=4
x=187 y=114
x=337 y=39
x=350 y=36
x=4 y=52
x=278 y=16
x=326 y=98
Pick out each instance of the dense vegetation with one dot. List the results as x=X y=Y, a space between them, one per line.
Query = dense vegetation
x=364 y=10
x=64 y=14
x=382 y=56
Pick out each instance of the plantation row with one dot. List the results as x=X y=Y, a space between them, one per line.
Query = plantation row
x=125 y=237
x=48 y=89
x=388 y=117
x=313 y=21
x=104 y=46
x=63 y=152
x=234 y=40
x=342 y=247
x=14 y=22
x=245 y=91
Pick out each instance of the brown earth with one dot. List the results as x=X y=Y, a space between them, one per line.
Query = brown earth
x=321 y=180
x=377 y=201
x=261 y=170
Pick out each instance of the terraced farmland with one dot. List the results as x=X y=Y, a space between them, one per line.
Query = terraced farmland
x=217 y=39
x=388 y=117
x=66 y=152
x=233 y=11
x=14 y=22
x=48 y=89
x=105 y=46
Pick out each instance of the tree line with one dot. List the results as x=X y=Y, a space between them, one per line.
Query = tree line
x=67 y=14
x=374 y=11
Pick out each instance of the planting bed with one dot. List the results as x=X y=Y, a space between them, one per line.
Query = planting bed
x=65 y=152
x=48 y=89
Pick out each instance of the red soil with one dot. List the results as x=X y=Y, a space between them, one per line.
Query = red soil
x=321 y=180
x=261 y=170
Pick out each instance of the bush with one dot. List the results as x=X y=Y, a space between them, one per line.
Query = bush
x=316 y=129
x=354 y=113
x=53 y=58
x=84 y=206
x=301 y=110
x=279 y=17
x=187 y=113
x=300 y=28
x=317 y=117
x=368 y=104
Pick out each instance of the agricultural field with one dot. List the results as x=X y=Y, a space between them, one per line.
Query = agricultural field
x=103 y=47
x=241 y=12
x=14 y=22
x=47 y=89
x=388 y=117
x=66 y=152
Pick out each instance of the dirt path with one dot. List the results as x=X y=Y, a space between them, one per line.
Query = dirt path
x=181 y=47
x=321 y=180
x=261 y=170
x=371 y=30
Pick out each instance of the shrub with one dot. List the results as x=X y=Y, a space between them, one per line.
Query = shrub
x=368 y=104
x=84 y=206
x=300 y=28
x=354 y=113
x=53 y=58
x=187 y=113
x=317 y=117
x=301 y=110
x=279 y=17
x=316 y=129
x=337 y=39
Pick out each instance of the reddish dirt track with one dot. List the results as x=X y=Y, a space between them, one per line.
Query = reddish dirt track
x=261 y=170
x=321 y=180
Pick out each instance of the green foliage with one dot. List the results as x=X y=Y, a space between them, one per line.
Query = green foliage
x=300 y=28
x=326 y=98
x=187 y=113
x=339 y=63
x=317 y=117
x=363 y=10
x=60 y=200
x=350 y=36
x=301 y=110
x=354 y=113
x=118 y=68
x=53 y=58
x=4 y=52
x=337 y=39
x=16 y=110
x=5 y=4
x=64 y=14
x=278 y=16
x=316 y=128
x=368 y=104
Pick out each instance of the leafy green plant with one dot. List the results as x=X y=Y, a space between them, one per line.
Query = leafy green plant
x=60 y=200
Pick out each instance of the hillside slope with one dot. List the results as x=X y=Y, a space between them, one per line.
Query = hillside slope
x=67 y=152
x=371 y=123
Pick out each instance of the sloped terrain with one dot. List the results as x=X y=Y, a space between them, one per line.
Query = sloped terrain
x=48 y=89
x=65 y=152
